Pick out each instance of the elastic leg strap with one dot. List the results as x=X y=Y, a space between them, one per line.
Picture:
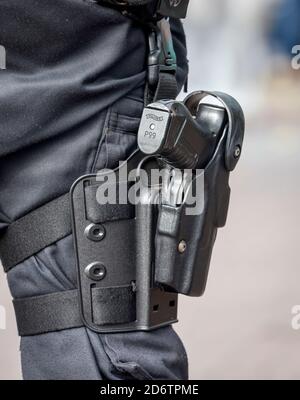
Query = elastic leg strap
x=35 y=231
x=59 y=311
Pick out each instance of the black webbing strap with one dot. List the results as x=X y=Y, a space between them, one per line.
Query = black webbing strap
x=59 y=311
x=167 y=87
x=162 y=64
x=50 y=223
x=35 y=231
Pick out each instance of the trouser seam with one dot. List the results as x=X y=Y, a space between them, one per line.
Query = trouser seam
x=102 y=138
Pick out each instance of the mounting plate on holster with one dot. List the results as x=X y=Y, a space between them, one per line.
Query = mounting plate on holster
x=115 y=256
x=134 y=258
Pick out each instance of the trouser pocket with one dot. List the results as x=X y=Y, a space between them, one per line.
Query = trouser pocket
x=119 y=138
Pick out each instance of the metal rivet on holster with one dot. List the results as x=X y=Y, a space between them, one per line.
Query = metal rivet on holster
x=96 y=271
x=95 y=232
x=182 y=247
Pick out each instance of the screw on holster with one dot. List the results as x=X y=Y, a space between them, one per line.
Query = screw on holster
x=182 y=247
x=95 y=232
x=237 y=151
x=95 y=271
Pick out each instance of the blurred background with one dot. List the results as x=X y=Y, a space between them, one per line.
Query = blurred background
x=242 y=327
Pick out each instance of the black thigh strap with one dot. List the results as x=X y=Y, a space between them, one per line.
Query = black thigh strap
x=50 y=223
x=35 y=231
x=60 y=311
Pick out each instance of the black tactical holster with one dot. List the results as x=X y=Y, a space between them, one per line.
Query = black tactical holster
x=134 y=259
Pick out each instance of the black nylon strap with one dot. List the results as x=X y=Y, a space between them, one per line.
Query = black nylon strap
x=59 y=311
x=35 y=231
x=167 y=87
x=52 y=312
x=50 y=223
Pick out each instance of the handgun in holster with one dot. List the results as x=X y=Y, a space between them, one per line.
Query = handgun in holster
x=138 y=256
